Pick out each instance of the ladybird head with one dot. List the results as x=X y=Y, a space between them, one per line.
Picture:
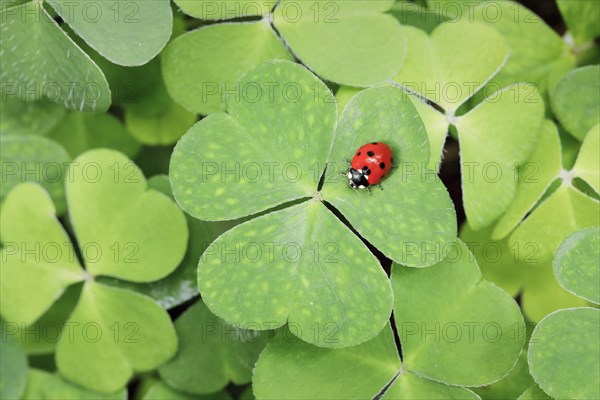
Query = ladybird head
x=357 y=179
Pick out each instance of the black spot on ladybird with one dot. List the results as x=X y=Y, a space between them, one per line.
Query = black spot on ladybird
x=358 y=154
x=370 y=153
x=382 y=165
x=374 y=142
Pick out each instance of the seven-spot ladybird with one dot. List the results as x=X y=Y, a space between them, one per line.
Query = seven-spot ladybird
x=370 y=164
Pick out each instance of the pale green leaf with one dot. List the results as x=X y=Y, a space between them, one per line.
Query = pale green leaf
x=127 y=32
x=414 y=206
x=124 y=230
x=36 y=159
x=291 y=369
x=582 y=18
x=510 y=386
x=226 y=9
x=410 y=386
x=349 y=42
x=302 y=266
x=537 y=53
x=53 y=386
x=576 y=264
x=534 y=393
x=13 y=366
x=37 y=255
x=575 y=100
x=264 y=152
x=468 y=322
x=79 y=132
x=587 y=166
x=542 y=294
x=451 y=65
x=39 y=61
x=31 y=118
x=535 y=177
x=111 y=342
x=569 y=339
x=492 y=145
x=161 y=391
x=211 y=353
x=233 y=49
x=564 y=212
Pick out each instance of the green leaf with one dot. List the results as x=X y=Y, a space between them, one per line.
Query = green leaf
x=542 y=294
x=537 y=53
x=161 y=127
x=351 y=43
x=575 y=100
x=79 y=132
x=587 y=166
x=233 y=49
x=125 y=32
x=582 y=19
x=291 y=369
x=37 y=255
x=33 y=118
x=36 y=159
x=270 y=150
x=566 y=211
x=111 y=342
x=13 y=367
x=227 y=9
x=535 y=177
x=569 y=338
x=414 y=206
x=33 y=62
x=41 y=337
x=44 y=385
x=211 y=353
x=451 y=65
x=125 y=230
x=299 y=265
x=510 y=386
x=160 y=391
x=576 y=264
x=534 y=393
x=488 y=179
x=182 y=284
x=499 y=264
x=468 y=322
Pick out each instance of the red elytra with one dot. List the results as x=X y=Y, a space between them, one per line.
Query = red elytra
x=370 y=164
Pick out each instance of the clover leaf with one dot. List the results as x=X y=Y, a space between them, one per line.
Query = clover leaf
x=161 y=391
x=300 y=264
x=32 y=62
x=537 y=53
x=576 y=264
x=566 y=209
x=581 y=18
x=141 y=25
x=433 y=334
x=33 y=118
x=570 y=338
x=79 y=132
x=45 y=385
x=34 y=158
x=448 y=68
x=201 y=87
x=510 y=386
x=211 y=353
x=358 y=34
x=13 y=367
x=291 y=369
x=123 y=231
x=364 y=46
x=534 y=393
x=575 y=101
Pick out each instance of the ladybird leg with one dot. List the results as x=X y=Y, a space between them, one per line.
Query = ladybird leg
x=380 y=186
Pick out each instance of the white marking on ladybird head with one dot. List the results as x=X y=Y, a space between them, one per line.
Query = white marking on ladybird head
x=349 y=175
